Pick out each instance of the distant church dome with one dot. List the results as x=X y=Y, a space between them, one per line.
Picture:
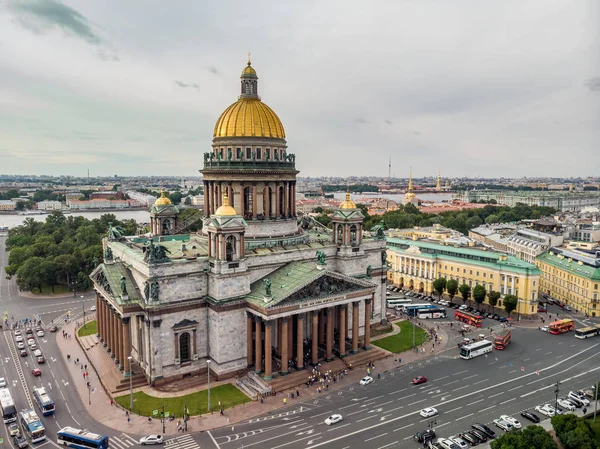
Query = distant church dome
x=347 y=203
x=249 y=116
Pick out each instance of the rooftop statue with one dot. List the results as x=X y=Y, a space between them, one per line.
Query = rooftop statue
x=267 y=282
x=321 y=257
x=115 y=232
x=156 y=253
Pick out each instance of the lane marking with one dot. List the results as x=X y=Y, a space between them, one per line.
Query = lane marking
x=368 y=417
x=480 y=381
x=378 y=436
x=398 y=391
x=450 y=383
x=510 y=400
x=466 y=416
x=516 y=388
x=484 y=409
x=403 y=427
x=460 y=388
x=494 y=395
x=470 y=377
x=454 y=409
x=475 y=402
x=460 y=372
x=421 y=400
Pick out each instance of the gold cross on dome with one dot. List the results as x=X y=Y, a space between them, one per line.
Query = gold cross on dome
x=248 y=58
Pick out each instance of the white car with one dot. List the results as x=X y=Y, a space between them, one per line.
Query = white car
x=333 y=419
x=546 y=410
x=564 y=404
x=428 y=412
x=463 y=307
x=504 y=425
x=509 y=419
x=37 y=353
x=366 y=380
x=40 y=333
x=447 y=443
x=462 y=444
x=21 y=345
x=93 y=309
x=580 y=397
x=544 y=328
x=151 y=439
x=31 y=342
x=2 y=382
x=18 y=338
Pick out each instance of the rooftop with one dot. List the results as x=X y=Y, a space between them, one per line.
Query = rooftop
x=559 y=259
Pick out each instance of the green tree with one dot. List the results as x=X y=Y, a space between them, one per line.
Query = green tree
x=318 y=210
x=510 y=303
x=465 y=292
x=479 y=295
x=573 y=432
x=493 y=298
x=439 y=285
x=187 y=201
x=490 y=219
x=66 y=268
x=451 y=288
x=29 y=275
x=528 y=438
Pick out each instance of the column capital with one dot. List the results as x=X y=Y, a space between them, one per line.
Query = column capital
x=257 y=319
x=355 y=303
x=329 y=311
x=343 y=306
x=300 y=316
x=315 y=312
x=269 y=323
x=125 y=319
x=368 y=301
x=285 y=319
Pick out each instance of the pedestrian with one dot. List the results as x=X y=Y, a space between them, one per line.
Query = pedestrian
x=284 y=401
x=86 y=367
x=87 y=374
x=129 y=421
x=127 y=413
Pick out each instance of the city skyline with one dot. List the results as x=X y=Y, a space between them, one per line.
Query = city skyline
x=443 y=84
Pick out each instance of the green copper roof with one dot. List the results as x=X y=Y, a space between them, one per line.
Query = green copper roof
x=571 y=266
x=113 y=273
x=470 y=255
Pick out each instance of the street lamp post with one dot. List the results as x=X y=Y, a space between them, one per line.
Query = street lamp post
x=130 y=384
x=208 y=371
x=556 y=396
x=89 y=387
x=83 y=309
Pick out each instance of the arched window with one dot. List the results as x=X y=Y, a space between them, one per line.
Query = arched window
x=184 y=347
x=166 y=227
x=353 y=235
x=230 y=248
x=340 y=234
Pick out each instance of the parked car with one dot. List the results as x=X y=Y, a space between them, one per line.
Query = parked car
x=504 y=425
x=547 y=410
x=21 y=345
x=462 y=444
x=333 y=419
x=2 y=382
x=423 y=435
x=151 y=439
x=366 y=380
x=514 y=422
x=530 y=416
x=470 y=438
x=485 y=429
x=579 y=395
x=428 y=412
x=447 y=443
x=419 y=380
x=565 y=405
x=23 y=352
x=40 y=333
x=29 y=331
x=481 y=437
x=19 y=338
x=17 y=332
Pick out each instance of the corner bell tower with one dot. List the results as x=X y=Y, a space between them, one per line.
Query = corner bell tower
x=348 y=227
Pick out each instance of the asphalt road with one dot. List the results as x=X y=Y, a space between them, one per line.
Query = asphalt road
x=381 y=415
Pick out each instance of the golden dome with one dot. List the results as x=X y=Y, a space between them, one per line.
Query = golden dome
x=348 y=203
x=248 y=70
x=225 y=210
x=163 y=200
x=249 y=117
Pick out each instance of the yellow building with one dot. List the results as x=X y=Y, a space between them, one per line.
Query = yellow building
x=7 y=205
x=436 y=232
x=571 y=277
x=415 y=264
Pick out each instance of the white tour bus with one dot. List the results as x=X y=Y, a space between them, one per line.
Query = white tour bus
x=587 y=332
x=391 y=303
x=474 y=349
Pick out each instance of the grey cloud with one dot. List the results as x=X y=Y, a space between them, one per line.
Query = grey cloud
x=185 y=85
x=593 y=84
x=40 y=15
x=389 y=122
x=213 y=69
x=361 y=121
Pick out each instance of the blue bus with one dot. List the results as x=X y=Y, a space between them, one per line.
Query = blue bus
x=413 y=310
x=81 y=439
x=44 y=401
x=32 y=426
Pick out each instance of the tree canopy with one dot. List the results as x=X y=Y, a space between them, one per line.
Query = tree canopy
x=479 y=294
x=530 y=437
x=465 y=292
x=439 y=286
x=510 y=303
x=452 y=288
x=573 y=432
x=61 y=250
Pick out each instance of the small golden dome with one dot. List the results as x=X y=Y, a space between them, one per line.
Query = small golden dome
x=409 y=195
x=163 y=200
x=348 y=203
x=248 y=70
x=225 y=210
x=249 y=117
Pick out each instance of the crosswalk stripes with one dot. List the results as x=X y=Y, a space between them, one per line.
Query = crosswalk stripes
x=183 y=442
x=124 y=442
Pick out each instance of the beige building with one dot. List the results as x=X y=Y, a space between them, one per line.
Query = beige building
x=7 y=205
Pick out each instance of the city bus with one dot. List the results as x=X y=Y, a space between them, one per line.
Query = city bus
x=44 y=401
x=587 y=332
x=81 y=439
x=431 y=313
x=412 y=310
x=9 y=411
x=561 y=326
x=407 y=307
x=397 y=302
x=32 y=426
x=502 y=339
x=475 y=349
x=469 y=318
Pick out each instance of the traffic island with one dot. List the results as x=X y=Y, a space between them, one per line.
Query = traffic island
x=402 y=340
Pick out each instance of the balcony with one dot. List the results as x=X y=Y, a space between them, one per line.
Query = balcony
x=289 y=163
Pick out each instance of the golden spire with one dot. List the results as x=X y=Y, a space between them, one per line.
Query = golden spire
x=570 y=187
x=225 y=210
x=438 y=186
x=163 y=200
x=409 y=192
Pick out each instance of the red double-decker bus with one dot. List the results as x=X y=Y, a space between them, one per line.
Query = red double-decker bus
x=561 y=326
x=469 y=318
x=502 y=339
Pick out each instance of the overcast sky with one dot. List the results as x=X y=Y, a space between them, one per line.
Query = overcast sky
x=479 y=88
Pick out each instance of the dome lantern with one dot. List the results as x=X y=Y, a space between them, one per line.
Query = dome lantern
x=249 y=82
x=163 y=200
x=347 y=203
x=225 y=210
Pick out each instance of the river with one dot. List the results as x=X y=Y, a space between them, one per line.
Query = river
x=425 y=196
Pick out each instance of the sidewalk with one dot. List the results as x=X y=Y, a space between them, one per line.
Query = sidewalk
x=114 y=416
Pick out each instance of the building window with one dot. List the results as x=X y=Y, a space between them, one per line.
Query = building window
x=238 y=153
x=471 y=272
x=184 y=347
x=258 y=153
x=248 y=153
x=268 y=153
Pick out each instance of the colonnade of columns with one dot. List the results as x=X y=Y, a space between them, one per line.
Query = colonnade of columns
x=115 y=334
x=252 y=200
x=266 y=338
x=414 y=266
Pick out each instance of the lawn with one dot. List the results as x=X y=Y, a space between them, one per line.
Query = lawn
x=197 y=403
x=59 y=289
x=403 y=340
x=595 y=428
x=90 y=328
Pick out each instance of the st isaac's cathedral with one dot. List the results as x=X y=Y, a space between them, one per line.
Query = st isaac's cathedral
x=257 y=287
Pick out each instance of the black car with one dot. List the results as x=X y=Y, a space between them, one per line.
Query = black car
x=480 y=436
x=423 y=435
x=20 y=441
x=485 y=429
x=472 y=440
x=530 y=416
x=23 y=353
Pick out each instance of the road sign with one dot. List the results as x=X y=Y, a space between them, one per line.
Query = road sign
x=167 y=414
x=1 y=440
x=154 y=412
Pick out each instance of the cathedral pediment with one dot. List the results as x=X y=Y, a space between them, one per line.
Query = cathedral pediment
x=299 y=282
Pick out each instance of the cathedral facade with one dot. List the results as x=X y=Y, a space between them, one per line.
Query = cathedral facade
x=257 y=287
